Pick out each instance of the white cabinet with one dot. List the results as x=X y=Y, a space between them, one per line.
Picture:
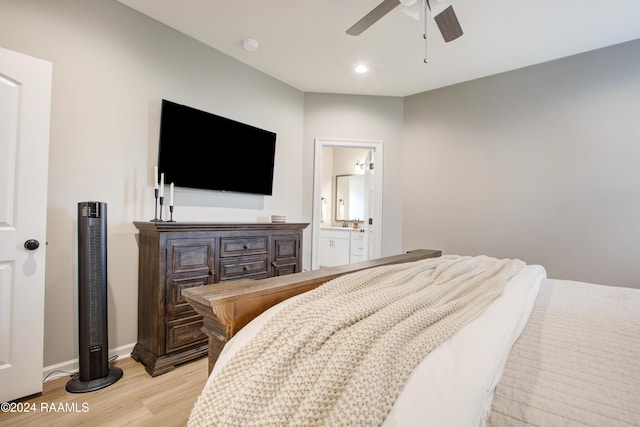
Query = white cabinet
x=358 y=246
x=340 y=246
x=334 y=247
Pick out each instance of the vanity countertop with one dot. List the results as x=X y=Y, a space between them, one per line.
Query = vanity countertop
x=341 y=228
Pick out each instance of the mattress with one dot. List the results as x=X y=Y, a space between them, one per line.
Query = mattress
x=577 y=361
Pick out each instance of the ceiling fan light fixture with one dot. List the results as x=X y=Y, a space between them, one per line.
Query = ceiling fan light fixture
x=412 y=8
x=441 y=11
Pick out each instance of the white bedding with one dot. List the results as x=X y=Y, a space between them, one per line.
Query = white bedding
x=454 y=384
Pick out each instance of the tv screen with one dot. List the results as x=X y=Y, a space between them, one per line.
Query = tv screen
x=206 y=151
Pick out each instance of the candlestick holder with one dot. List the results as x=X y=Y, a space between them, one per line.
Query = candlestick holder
x=161 y=203
x=171 y=214
x=155 y=212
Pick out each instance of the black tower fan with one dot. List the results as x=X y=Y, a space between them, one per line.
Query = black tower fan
x=94 y=372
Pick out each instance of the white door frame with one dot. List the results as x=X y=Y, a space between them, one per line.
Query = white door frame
x=376 y=206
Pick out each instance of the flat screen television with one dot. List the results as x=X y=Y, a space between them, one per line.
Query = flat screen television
x=206 y=151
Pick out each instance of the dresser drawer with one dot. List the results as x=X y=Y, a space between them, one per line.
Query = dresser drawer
x=188 y=256
x=239 y=267
x=175 y=301
x=237 y=246
x=185 y=332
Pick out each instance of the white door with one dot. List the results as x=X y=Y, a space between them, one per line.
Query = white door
x=369 y=201
x=25 y=98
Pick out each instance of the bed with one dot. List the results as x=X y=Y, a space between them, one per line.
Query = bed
x=541 y=352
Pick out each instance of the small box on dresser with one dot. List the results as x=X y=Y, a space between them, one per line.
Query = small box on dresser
x=176 y=256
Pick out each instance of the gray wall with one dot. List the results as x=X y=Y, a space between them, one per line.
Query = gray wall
x=541 y=163
x=111 y=68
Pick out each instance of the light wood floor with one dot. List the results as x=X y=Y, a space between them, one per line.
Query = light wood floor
x=136 y=399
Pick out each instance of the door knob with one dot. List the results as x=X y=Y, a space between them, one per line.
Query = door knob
x=31 y=244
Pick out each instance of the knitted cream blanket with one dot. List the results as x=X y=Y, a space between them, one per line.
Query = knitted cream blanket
x=340 y=354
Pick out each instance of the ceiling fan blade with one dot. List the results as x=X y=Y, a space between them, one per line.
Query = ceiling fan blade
x=448 y=24
x=372 y=17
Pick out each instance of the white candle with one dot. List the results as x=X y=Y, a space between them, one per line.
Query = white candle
x=161 y=185
x=155 y=179
x=171 y=195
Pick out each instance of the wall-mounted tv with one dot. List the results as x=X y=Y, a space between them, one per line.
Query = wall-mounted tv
x=202 y=150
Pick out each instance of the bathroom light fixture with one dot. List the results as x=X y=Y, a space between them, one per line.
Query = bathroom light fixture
x=361 y=69
x=359 y=167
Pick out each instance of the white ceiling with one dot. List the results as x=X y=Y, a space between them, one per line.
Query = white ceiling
x=303 y=43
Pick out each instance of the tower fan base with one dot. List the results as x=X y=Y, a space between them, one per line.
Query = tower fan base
x=75 y=385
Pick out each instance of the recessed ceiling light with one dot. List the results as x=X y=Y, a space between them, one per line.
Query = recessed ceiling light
x=362 y=69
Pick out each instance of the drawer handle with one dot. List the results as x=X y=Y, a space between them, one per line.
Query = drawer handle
x=245 y=268
x=246 y=246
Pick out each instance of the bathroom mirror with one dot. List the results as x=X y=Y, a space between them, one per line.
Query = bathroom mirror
x=349 y=199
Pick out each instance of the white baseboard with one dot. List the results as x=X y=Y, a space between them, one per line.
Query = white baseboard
x=71 y=367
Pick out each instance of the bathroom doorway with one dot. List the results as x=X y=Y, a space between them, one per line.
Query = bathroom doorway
x=337 y=160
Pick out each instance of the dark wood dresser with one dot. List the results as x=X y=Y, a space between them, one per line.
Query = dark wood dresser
x=176 y=255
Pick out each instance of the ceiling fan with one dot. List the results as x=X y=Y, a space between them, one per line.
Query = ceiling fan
x=441 y=11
